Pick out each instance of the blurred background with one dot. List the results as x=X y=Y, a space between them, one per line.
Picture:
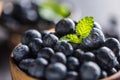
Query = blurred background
x=16 y=16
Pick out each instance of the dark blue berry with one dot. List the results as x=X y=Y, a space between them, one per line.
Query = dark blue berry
x=88 y=56
x=65 y=26
x=20 y=52
x=58 y=57
x=64 y=47
x=117 y=67
x=72 y=63
x=103 y=74
x=56 y=71
x=25 y=63
x=71 y=75
x=45 y=53
x=74 y=45
x=50 y=40
x=106 y=58
x=35 y=45
x=94 y=40
x=90 y=71
x=114 y=45
x=97 y=25
x=78 y=53
x=29 y=35
x=37 y=68
x=45 y=32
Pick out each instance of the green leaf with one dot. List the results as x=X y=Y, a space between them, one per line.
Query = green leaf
x=52 y=10
x=71 y=38
x=84 y=26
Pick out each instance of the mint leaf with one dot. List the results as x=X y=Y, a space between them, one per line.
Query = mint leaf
x=53 y=10
x=71 y=38
x=84 y=26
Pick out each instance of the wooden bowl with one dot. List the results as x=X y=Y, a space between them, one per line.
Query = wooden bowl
x=18 y=74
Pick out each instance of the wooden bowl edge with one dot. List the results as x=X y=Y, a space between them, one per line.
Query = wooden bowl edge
x=16 y=73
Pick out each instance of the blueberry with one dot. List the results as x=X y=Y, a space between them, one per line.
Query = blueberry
x=65 y=26
x=71 y=75
x=117 y=67
x=21 y=12
x=103 y=74
x=50 y=40
x=64 y=47
x=94 y=40
x=106 y=58
x=90 y=71
x=114 y=45
x=45 y=32
x=35 y=45
x=58 y=57
x=25 y=63
x=55 y=71
x=29 y=35
x=78 y=53
x=37 y=68
x=20 y=52
x=97 y=25
x=45 y=53
x=88 y=56
x=74 y=45
x=72 y=63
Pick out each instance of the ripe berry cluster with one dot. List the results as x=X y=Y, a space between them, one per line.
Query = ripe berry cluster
x=42 y=55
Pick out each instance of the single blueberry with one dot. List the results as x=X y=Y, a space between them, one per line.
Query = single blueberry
x=72 y=75
x=29 y=35
x=114 y=45
x=65 y=26
x=106 y=58
x=20 y=52
x=37 y=68
x=45 y=53
x=104 y=74
x=50 y=40
x=88 y=56
x=64 y=47
x=72 y=63
x=55 y=71
x=58 y=57
x=95 y=40
x=35 y=45
x=25 y=63
x=90 y=71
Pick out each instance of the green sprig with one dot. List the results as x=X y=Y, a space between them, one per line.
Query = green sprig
x=83 y=29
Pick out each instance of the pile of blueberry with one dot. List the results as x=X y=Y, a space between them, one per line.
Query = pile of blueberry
x=19 y=13
x=42 y=55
